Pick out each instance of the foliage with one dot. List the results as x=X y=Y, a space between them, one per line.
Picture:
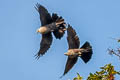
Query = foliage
x=115 y=52
x=78 y=77
x=118 y=39
x=107 y=73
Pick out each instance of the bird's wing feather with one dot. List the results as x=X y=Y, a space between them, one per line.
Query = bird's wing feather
x=45 y=17
x=70 y=63
x=86 y=56
x=59 y=33
x=61 y=29
x=45 y=44
x=72 y=38
x=54 y=16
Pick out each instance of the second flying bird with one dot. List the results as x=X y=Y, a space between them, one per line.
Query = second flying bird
x=85 y=52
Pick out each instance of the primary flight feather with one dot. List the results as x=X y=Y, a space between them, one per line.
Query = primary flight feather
x=85 y=52
x=49 y=24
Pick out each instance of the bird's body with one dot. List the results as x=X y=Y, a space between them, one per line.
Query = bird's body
x=50 y=27
x=49 y=24
x=75 y=52
x=84 y=52
x=72 y=53
x=47 y=28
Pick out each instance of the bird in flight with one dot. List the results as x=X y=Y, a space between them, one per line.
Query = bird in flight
x=49 y=24
x=85 y=52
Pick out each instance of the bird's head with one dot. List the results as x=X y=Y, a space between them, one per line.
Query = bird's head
x=66 y=53
x=42 y=30
x=69 y=53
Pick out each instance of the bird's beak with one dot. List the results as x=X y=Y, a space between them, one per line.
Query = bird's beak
x=37 y=31
x=42 y=30
x=66 y=54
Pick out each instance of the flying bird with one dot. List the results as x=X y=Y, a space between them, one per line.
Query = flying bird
x=85 y=52
x=49 y=24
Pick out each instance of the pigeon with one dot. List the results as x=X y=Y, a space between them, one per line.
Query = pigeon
x=49 y=24
x=85 y=52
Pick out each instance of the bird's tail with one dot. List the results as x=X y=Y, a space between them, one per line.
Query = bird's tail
x=86 y=55
x=60 y=24
x=59 y=21
x=61 y=28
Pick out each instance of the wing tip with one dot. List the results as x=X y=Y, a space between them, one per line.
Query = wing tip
x=38 y=6
x=63 y=75
x=37 y=56
x=71 y=31
x=69 y=26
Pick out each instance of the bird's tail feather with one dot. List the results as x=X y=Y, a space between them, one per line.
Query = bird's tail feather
x=86 y=55
x=61 y=26
x=59 y=21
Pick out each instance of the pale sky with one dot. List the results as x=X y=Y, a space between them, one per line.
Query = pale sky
x=94 y=21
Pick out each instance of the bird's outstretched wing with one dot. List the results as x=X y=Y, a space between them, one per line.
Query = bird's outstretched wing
x=45 y=17
x=61 y=29
x=54 y=17
x=86 y=56
x=70 y=63
x=45 y=44
x=72 y=38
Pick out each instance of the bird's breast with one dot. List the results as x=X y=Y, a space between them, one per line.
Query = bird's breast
x=43 y=30
x=72 y=53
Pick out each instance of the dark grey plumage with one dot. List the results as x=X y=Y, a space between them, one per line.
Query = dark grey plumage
x=74 y=43
x=45 y=44
x=56 y=33
x=72 y=38
x=86 y=56
x=49 y=22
